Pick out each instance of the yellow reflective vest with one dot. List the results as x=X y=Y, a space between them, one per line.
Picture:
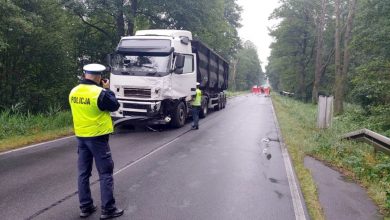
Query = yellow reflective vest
x=88 y=119
x=198 y=98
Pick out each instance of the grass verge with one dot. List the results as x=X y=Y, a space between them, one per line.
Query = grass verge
x=296 y=137
x=356 y=160
x=20 y=129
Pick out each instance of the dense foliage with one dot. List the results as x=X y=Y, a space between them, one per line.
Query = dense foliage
x=43 y=44
x=363 y=53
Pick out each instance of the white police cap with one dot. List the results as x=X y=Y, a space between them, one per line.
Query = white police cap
x=197 y=84
x=94 y=68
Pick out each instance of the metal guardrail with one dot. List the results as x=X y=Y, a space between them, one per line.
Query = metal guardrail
x=379 y=142
x=284 y=93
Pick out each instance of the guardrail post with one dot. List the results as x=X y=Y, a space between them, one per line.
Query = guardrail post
x=325 y=112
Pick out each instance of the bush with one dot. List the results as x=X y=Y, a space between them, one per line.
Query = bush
x=20 y=124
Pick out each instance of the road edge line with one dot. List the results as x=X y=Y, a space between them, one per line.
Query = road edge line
x=292 y=182
x=34 y=145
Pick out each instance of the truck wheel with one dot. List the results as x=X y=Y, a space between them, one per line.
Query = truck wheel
x=204 y=109
x=179 y=116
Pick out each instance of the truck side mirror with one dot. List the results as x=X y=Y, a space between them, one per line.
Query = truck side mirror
x=108 y=59
x=179 y=70
x=179 y=64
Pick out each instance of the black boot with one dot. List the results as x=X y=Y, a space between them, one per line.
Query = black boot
x=85 y=212
x=111 y=214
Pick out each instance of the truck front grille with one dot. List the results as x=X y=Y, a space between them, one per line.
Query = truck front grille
x=136 y=106
x=136 y=92
x=128 y=113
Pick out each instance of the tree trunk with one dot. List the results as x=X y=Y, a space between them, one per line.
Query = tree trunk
x=234 y=72
x=302 y=66
x=347 y=40
x=131 y=19
x=119 y=19
x=319 y=52
x=342 y=71
x=338 y=104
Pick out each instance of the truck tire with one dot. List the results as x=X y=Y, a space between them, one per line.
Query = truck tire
x=204 y=109
x=179 y=116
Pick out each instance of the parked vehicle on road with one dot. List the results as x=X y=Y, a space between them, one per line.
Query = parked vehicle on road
x=154 y=76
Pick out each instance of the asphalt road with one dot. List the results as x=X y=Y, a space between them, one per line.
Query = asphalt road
x=226 y=170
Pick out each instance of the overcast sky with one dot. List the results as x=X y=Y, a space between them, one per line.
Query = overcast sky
x=255 y=25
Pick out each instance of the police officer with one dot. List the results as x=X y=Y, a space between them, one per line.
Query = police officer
x=91 y=101
x=196 y=107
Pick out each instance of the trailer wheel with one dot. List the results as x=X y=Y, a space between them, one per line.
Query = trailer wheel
x=204 y=109
x=179 y=116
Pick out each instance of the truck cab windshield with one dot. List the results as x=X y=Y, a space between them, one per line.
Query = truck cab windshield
x=140 y=65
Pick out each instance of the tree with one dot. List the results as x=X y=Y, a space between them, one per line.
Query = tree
x=248 y=69
x=342 y=68
x=291 y=58
x=37 y=62
x=319 y=51
x=370 y=81
x=44 y=44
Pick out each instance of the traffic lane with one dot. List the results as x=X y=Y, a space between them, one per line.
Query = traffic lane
x=30 y=179
x=218 y=172
x=126 y=147
x=37 y=178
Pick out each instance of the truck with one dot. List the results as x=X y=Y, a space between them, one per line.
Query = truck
x=154 y=76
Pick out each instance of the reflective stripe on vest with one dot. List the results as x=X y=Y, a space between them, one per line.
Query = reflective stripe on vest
x=198 y=98
x=88 y=119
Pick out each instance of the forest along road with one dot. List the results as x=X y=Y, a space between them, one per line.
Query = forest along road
x=231 y=168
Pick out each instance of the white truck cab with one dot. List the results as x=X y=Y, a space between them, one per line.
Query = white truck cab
x=154 y=76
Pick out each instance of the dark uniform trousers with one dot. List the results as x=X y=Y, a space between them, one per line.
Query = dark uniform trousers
x=195 y=115
x=98 y=148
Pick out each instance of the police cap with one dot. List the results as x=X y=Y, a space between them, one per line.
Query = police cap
x=94 y=68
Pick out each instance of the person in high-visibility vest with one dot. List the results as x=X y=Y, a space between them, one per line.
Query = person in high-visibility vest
x=91 y=103
x=196 y=107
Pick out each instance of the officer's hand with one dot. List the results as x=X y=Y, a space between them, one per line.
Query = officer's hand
x=106 y=83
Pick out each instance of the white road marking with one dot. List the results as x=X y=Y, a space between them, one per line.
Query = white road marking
x=148 y=154
x=295 y=195
x=35 y=145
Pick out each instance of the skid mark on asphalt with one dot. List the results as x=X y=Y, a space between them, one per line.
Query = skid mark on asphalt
x=279 y=194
